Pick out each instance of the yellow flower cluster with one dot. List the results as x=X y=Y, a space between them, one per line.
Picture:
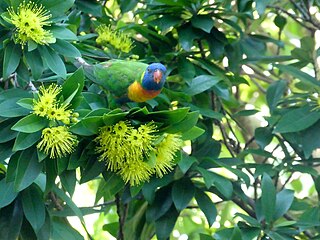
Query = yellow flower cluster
x=57 y=141
x=47 y=105
x=29 y=21
x=126 y=150
x=118 y=40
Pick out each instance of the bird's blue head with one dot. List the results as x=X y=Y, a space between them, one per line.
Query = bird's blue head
x=154 y=77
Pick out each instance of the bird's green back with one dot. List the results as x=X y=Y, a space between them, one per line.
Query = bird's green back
x=116 y=75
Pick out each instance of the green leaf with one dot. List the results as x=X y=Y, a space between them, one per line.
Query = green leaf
x=93 y=123
x=186 y=69
x=11 y=218
x=295 y=72
x=261 y=6
x=304 y=169
x=7 y=193
x=93 y=169
x=222 y=184
x=205 y=237
x=64 y=33
x=95 y=8
x=53 y=61
x=263 y=136
x=28 y=169
x=57 y=7
x=268 y=198
x=111 y=119
x=297 y=119
x=95 y=101
x=186 y=36
x=35 y=63
x=206 y=206
x=182 y=192
x=61 y=194
x=74 y=83
x=5 y=131
x=10 y=108
x=245 y=113
x=66 y=49
x=33 y=207
x=26 y=103
x=165 y=224
x=274 y=93
x=111 y=228
x=165 y=22
x=13 y=93
x=30 y=124
x=161 y=205
x=108 y=187
x=192 y=133
x=275 y=235
x=169 y=116
x=280 y=21
x=284 y=200
x=68 y=181
x=62 y=230
x=12 y=56
x=202 y=83
x=25 y=140
x=252 y=221
x=204 y=22
x=186 y=162
x=186 y=124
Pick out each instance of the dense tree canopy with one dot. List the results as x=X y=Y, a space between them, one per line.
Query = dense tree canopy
x=228 y=150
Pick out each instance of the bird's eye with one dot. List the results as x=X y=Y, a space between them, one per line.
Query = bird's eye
x=149 y=70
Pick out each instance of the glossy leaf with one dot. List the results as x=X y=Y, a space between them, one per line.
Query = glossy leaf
x=284 y=200
x=28 y=169
x=53 y=61
x=35 y=63
x=268 y=198
x=207 y=206
x=66 y=49
x=201 y=83
x=8 y=194
x=12 y=55
x=297 y=119
x=33 y=207
x=165 y=224
x=182 y=193
x=30 y=124
x=25 y=140
x=275 y=93
x=10 y=108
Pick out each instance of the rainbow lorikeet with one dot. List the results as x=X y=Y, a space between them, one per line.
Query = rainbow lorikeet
x=130 y=80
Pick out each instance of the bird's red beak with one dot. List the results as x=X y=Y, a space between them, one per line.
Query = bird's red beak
x=157 y=76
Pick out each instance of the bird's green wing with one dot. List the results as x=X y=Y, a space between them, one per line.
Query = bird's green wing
x=116 y=76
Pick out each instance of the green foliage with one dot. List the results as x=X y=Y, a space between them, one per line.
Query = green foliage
x=242 y=91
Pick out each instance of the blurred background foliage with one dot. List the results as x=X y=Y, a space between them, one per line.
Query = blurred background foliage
x=242 y=89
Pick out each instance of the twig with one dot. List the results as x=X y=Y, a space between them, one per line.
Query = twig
x=294 y=17
x=225 y=137
x=120 y=215
x=55 y=201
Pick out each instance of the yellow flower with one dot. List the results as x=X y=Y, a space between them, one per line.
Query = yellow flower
x=47 y=96
x=123 y=147
x=47 y=105
x=135 y=172
x=114 y=38
x=29 y=21
x=57 y=141
x=165 y=153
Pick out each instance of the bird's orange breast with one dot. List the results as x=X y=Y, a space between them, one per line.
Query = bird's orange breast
x=137 y=93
